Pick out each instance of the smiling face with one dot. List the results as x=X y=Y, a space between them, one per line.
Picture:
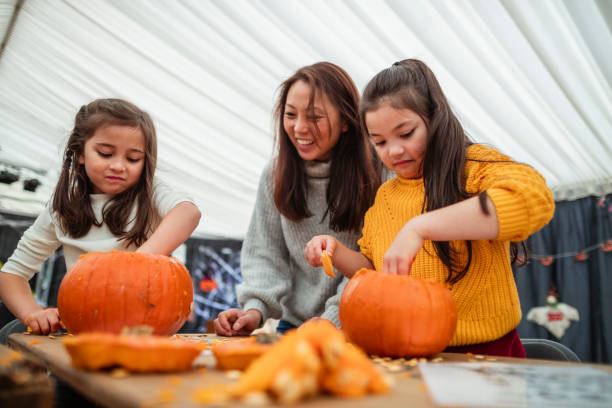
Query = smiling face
x=399 y=137
x=114 y=158
x=313 y=132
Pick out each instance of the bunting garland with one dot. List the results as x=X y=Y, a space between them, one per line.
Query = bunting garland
x=581 y=255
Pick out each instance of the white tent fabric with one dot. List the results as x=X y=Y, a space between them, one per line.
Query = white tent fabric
x=532 y=78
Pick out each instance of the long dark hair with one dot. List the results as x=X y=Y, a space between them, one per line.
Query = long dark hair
x=410 y=84
x=71 y=202
x=354 y=171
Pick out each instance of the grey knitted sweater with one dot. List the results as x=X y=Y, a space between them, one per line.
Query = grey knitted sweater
x=277 y=280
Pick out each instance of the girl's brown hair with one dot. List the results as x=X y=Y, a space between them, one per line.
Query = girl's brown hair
x=410 y=84
x=354 y=172
x=71 y=202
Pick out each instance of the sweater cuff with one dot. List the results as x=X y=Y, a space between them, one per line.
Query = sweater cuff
x=11 y=267
x=258 y=305
x=512 y=215
x=331 y=314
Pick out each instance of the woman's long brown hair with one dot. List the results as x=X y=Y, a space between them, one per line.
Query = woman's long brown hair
x=354 y=171
x=71 y=202
x=410 y=84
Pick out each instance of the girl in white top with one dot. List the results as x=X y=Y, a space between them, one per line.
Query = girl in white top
x=106 y=199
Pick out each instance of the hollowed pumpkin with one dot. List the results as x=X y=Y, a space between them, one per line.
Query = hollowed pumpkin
x=107 y=291
x=238 y=354
x=93 y=351
x=397 y=315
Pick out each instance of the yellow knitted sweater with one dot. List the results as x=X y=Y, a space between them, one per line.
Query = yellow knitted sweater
x=487 y=300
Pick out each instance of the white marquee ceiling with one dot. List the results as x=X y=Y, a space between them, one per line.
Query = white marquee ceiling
x=533 y=78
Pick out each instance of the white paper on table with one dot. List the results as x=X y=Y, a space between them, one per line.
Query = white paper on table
x=517 y=385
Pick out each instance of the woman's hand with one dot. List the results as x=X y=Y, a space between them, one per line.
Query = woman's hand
x=316 y=246
x=43 y=321
x=236 y=322
x=404 y=248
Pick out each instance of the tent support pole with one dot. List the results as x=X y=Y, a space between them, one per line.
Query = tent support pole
x=11 y=24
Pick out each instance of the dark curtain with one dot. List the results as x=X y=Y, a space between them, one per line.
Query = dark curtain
x=12 y=227
x=580 y=226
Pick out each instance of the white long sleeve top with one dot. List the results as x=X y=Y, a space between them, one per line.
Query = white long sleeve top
x=45 y=235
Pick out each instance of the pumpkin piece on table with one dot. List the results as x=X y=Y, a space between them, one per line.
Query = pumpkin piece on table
x=238 y=354
x=107 y=291
x=137 y=353
x=397 y=315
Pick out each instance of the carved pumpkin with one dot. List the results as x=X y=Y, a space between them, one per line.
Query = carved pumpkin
x=93 y=351
x=107 y=291
x=397 y=315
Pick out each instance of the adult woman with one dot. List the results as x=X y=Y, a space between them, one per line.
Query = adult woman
x=323 y=179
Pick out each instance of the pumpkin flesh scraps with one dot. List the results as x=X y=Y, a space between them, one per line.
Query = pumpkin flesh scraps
x=353 y=374
x=314 y=357
x=94 y=351
x=282 y=370
x=238 y=354
x=328 y=267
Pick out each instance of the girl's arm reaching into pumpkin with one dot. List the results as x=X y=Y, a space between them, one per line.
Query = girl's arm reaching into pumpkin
x=464 y=220
x=173 y=230
x=344 y=259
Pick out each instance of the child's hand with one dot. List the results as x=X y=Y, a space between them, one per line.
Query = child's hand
x=404 y=248
x=316 y=246
x=236 y=322
x=43 y=321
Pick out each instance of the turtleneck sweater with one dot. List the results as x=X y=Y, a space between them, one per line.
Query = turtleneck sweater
x=277 y=280
x=487 y=299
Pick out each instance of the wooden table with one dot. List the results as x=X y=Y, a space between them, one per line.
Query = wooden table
x=143 y=390
x=23 y=383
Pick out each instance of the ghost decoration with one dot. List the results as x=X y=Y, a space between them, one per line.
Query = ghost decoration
x=555 y=316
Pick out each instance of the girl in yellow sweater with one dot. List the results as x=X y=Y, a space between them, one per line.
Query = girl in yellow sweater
x=453 y=213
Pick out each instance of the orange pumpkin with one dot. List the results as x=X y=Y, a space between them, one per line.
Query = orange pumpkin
x=93 y=351
x=107 y=291
x=238 y=354
x=397 y=315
